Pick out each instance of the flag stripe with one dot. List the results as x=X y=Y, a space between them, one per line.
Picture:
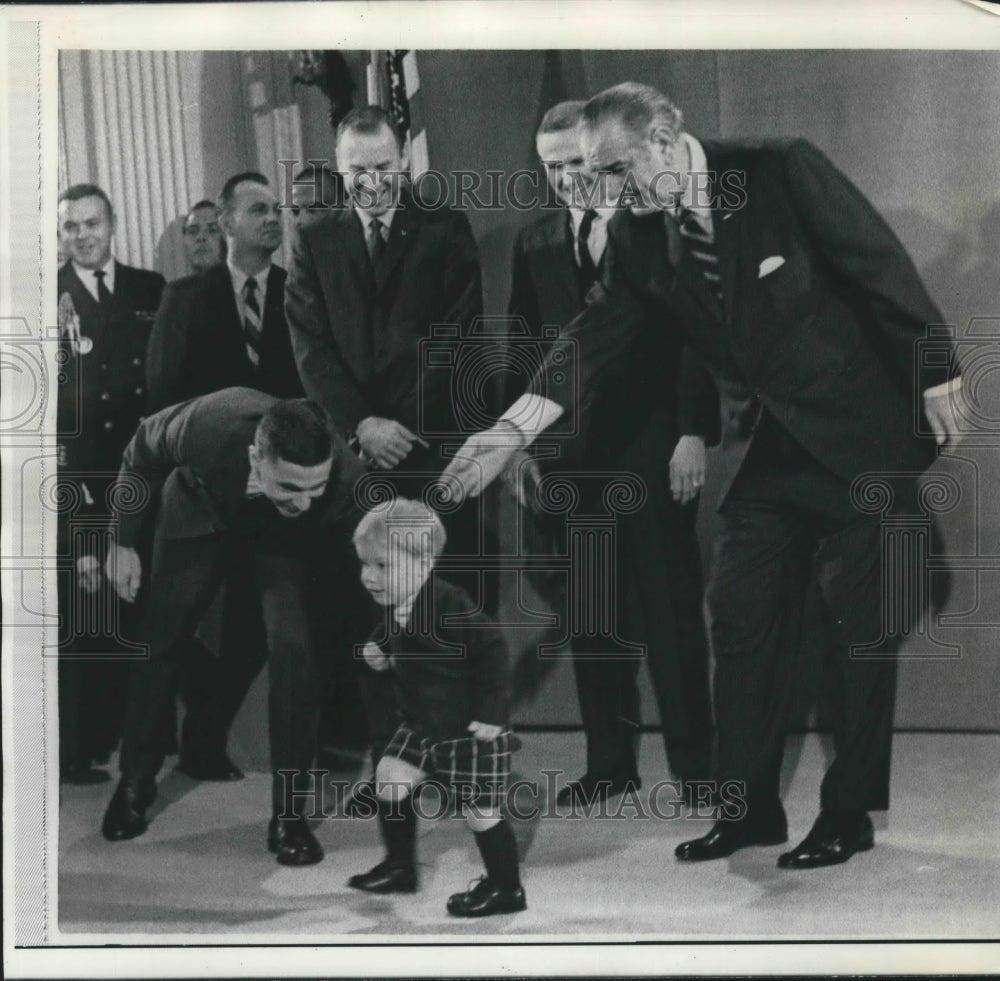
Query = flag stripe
x=398 y=82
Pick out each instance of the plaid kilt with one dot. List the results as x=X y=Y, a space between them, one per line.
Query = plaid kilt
x=474 y=767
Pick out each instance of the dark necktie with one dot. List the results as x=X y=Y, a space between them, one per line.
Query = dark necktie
x=251 y=320
x=700 y=246
x=103 y=293
x=587 y=265
x=376 y=244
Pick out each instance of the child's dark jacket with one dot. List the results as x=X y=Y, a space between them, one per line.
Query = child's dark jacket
x=450 y=664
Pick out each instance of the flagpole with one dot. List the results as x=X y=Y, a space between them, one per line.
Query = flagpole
x=371 y=75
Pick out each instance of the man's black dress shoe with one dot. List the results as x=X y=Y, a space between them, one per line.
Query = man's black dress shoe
x=591 y=789
x=126 y=814
x=834 y=838
x=293 y=842
x=82 y=774
x=484 y=899
x=220 y=768
x=386 y=877
x=727 y=837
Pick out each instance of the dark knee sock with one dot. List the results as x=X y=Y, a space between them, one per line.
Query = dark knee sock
x=398 y=823
x=498 y=848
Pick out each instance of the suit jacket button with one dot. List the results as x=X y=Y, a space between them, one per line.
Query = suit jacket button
x=137 y=361
x=104 y=367
x=105 y=396
x=109 y=424
x=138 y=391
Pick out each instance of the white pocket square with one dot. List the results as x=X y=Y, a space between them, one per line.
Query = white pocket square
x=769 y=264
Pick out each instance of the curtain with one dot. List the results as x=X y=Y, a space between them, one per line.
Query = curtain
x=160 y=130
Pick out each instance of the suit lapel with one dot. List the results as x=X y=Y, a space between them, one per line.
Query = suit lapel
x=225 y=324
x=224 y=300
x=563 y=266
x=87 y=308
x=402 y=234
x=121 y=303
x=355 y=246
x=273 y=306
x=727 y=226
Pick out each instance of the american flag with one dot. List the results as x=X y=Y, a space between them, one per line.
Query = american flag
x=394 y=83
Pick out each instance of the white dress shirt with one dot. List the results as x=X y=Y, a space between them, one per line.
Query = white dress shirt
x=89 y=280
x=239 y=278
x=384 y=219
x=598 y=237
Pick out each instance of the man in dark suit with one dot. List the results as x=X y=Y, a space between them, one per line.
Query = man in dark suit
x=557 y=260
x=249 y=483
x=797 y=294
x=105 y=312
x=226 y=326
x=365 y=287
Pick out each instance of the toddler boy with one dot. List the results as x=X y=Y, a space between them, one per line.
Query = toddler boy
x=450 y=685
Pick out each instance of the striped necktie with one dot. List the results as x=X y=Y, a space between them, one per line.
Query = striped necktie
x=701 y=247
x=251 y=320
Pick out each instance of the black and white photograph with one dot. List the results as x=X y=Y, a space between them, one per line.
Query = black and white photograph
x=508 y=489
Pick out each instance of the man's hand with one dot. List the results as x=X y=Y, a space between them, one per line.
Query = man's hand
x=939 y=407
x=521 y=476
x=125 y=571
x=386 y=442
x=483 y=731
x=89 y=574
x=687 y=468
x=482 y=458
x=375 y=657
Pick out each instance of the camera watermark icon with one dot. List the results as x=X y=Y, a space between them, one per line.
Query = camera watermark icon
x=906 y=504
x=93 y=622
x=33 y=370
x=468 y=373
x=943 y=356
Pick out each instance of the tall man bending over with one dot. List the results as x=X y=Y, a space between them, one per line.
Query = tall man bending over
x=797 y=294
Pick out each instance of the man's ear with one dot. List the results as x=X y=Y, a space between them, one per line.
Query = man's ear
x=254 y=455
x=665 y=141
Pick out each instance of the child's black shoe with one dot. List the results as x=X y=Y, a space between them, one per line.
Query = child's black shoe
x=386 y=877
x=485 y=899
